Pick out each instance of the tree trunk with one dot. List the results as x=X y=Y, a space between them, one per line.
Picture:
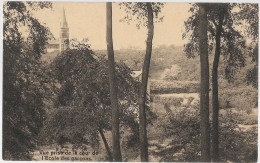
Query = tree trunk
x=215 y=104
x=110 y=157
x=204 y=85
x=113 y=89
x=143 y=89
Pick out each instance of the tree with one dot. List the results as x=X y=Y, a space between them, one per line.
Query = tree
x=204 y=86
x=215 y=132
x=83 y=98
x=25 y=83
x=249 y=13
x=143 y=90
x=113 y=90
x=144 y=12
x=229 y=42
x=171 y=73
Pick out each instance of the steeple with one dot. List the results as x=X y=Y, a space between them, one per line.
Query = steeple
x=64 y=33
x=64 y=22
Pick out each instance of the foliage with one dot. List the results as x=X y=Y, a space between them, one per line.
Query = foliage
x=26 y=84
x=172 y=73
x=80 y=45
x=244 y=98
x=236 y=145
x=132 y=57
x=83 y=98
x=161 y=59
x=249 y=13
x=252 y=76
x=175 y=136
x=145 y=16
x=161 y=86
x=139 y=11
x=175 y=101
x=232 y=42
x=181 y=128
x=62 y=124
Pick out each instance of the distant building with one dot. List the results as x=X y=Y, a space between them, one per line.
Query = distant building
x=62 y=43
x=53 y=45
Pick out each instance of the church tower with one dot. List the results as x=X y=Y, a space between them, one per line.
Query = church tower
x=64 y=33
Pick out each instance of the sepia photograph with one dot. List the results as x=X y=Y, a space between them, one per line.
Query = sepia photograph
x=129 y=81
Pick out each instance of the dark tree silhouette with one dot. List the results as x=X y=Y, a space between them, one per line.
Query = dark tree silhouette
x=204 y=86
x=143 y=90
x=25 y=82
x=228 y=41
x=113 y=90
x=215 y=103
x=144 y=12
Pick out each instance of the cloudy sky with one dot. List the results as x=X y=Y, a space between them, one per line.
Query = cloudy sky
x=88 y=19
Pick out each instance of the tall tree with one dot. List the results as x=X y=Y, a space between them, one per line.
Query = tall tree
x=215 y=104
x=145 y=16
x=204 y=86
x=227 y=41
x=25 y=84
x=143 y=89
x=113 y=89
x=233 y=47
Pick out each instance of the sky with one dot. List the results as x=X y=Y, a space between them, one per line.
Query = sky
x=88 y=20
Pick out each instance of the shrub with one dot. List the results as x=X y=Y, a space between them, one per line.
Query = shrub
x=175 y=101
x=236 y=145
x=172 y=73
x=243 y=98
x=176 y=137
x=166 y=87
x=181 y=128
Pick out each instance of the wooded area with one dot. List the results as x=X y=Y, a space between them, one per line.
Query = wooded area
x=197 y=102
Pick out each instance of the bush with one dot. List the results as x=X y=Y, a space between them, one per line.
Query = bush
x=172 y=73
x=236 y=145
x=166 y=87
x=176 y=137
x=177 y=133
x=243 y=98
x=175 y=101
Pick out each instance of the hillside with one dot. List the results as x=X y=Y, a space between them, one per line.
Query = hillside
x=167 y=57
x=171 y=69
x=163 y=57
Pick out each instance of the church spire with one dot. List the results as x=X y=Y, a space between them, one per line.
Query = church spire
x=64 y=23
x=64 y=34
